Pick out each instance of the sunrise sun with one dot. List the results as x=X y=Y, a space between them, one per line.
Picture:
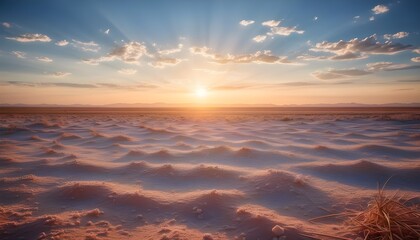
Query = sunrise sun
x=200 y=92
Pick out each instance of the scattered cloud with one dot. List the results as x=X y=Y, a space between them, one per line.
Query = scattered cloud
x=284 y=31
x=355 y=18
x=31 y=37
x=357 y=48
x=44 y=59
x=86 y=46
x=127 y=71
x=371 y=18
x=246 y=22
x=62 y=43
x=19 y=54
x=415 y=59
x=370 y=69
x=315 y=18
x=259 y=57
x=271 y=23
x=78 y=85
x=107 y=31
x=171 y=50
x=259 y=38
x=339 y=73
x=129 y=53
x=6 y=25
x=389 y=66
x=60 y=74
x=416 y=51
x=380 y=9
x=396 y=35
x=161 y=62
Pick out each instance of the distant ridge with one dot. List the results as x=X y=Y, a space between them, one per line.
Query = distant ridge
x=168 y=105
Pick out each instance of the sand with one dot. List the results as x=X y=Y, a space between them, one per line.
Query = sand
x=198 y=175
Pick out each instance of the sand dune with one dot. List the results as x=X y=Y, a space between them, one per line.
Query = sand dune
x=206 y=176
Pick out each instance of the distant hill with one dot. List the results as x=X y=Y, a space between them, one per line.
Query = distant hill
x=169 y=105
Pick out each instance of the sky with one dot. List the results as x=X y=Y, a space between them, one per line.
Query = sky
x=209 y=52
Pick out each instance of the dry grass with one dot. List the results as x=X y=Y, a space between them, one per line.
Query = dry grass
x=387 y=217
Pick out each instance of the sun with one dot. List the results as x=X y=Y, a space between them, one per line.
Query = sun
x=201 y=92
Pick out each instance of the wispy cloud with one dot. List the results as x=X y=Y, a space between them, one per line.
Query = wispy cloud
x=359 y=47
x=31 y=37
x=396 y=35
x=339 y=73
x=59 y=74
x=380 y=9
x=259 y=38
x=161 y=62
x=389 y=66
x=370 y=69
x=78 y=85
x=246 y=22
x=107 y=31
x=19 y=54
x=6 y=24
x=127 y=71
x=415 y=59
x=129 y=53
x=171 y=50
x=44 y=59
x=315 y=18
x=271 y=23
x=86 y=46
x=259 y=57
x=62 y=43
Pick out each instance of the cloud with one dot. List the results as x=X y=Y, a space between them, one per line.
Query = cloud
x=19 y=54
x=107 y=31
x=44 y=59
x=60 y=74
x=284 y=31
x=6 y=25
x=130 y=53
x=171 y=50
x=416 y=51
x=389 y=66
x=78 y=85
x=371 y=18
x=340 y=57
x=271 y=23
x=315 y=18
x=339 y=73
x=380 y=9
x=355 y=18
x=31 y=37
x=62 y=43
x=259 y=38
x=161 y=62
x=127 y=71
x=359 y=47
x=415 y=59
x=86 y=46
x=396 y=35
x=370 y=69
x=265 y=57
x=246 y=22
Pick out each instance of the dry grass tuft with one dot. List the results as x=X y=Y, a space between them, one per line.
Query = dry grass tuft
x=386 y=218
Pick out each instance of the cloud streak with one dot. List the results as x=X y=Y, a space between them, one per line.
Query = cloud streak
x=78 y=85
x=31 y=37
x=86 y=46
x=246 y=22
